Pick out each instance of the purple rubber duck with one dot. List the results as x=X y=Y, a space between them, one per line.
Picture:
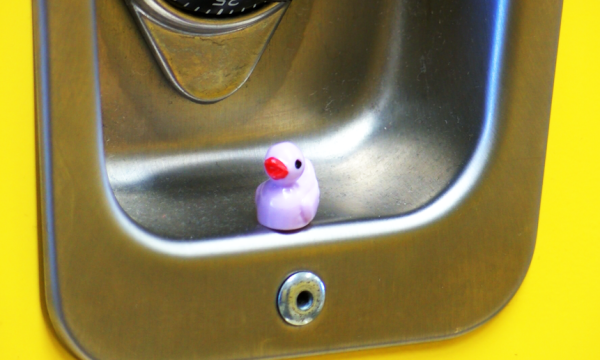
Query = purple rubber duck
x=290 y=198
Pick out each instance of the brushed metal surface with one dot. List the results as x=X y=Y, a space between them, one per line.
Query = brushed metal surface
x=426 y=122
x=205 y=60
x=389 y=101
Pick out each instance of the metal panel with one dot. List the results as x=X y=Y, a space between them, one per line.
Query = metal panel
x=439 y=266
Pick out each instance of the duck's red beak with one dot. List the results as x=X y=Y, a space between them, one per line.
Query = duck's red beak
x=275 y=168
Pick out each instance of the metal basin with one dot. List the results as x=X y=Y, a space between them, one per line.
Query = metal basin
x=387 y=98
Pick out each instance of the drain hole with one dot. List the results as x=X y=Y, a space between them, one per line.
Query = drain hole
x=304 y=300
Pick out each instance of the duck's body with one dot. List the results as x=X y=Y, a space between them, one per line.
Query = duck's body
x=290 y=198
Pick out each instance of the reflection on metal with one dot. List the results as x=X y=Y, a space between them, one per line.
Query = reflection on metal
x=206 y=60
x=151 y=246
x=301 y=298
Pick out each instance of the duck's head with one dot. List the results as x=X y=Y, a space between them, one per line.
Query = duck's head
x=284 y=163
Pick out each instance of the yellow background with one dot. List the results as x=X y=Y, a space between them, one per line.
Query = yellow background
x=555 y=314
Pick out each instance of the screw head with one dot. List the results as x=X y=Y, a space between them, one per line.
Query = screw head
x=301 y=298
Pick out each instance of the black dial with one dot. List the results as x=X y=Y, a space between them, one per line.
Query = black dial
x=219 y=8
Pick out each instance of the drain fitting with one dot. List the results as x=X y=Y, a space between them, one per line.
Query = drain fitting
x=301 y=298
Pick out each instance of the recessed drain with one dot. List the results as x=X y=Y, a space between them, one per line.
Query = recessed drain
x=301 y=298
x=304 y=300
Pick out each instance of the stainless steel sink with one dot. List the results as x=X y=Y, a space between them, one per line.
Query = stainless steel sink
x=426 y=122
x=387 y=98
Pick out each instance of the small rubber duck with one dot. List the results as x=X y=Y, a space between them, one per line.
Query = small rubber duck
x=290 y=198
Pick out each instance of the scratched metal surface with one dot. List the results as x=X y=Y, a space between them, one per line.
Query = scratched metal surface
x=381 y=98
x=386 y=98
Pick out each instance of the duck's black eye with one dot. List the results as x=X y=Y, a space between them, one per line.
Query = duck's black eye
x=298 y=164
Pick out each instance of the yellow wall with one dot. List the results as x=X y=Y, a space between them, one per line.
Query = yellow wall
x=555 y=314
